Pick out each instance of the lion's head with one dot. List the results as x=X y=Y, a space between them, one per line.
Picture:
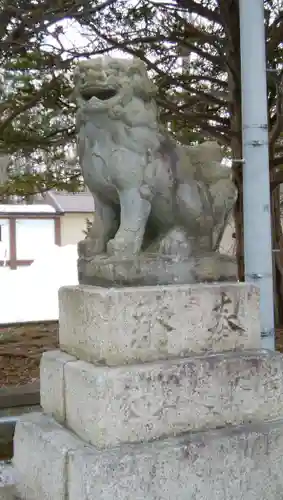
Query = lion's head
x=104 y=78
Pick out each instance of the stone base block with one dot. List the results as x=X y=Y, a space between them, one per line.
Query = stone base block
x=52 y=383
x=42 y=449
x=116 y=326
x=109 y=406
x=226 y=464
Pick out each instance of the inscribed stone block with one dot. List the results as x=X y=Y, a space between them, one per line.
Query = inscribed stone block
x=126 y=325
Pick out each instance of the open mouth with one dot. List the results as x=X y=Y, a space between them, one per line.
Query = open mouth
x=101 y=94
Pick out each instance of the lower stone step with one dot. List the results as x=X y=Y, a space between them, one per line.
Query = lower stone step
x=109 y=406
x=226 y=464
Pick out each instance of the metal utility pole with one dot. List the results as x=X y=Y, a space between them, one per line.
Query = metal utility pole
x=256 y=191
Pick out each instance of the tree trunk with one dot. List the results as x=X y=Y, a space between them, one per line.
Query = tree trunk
x=237 y=169
x=233 y=64
x=277 y=241
x=239 y=221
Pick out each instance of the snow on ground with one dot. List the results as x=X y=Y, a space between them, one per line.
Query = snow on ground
x=31 y=293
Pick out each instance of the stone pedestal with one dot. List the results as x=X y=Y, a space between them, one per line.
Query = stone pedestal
x=154 y=268
x=157 y=393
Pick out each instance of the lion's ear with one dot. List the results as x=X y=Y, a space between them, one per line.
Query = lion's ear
x=139 y=64
x=149 y=88
x=143 y=85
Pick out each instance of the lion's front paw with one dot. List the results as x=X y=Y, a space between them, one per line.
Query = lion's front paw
x=90 y=247
x=122 y=247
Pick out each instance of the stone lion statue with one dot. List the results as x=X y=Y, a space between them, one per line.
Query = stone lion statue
x=151 y=194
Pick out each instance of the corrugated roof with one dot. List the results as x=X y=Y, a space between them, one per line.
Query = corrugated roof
x=65 y=202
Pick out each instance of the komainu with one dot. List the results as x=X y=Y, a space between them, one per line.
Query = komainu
x=151 y=193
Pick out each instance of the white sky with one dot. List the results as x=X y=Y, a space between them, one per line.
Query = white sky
x=72 y=39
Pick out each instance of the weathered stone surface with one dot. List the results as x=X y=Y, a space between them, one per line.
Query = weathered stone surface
x=150 y=270
x=149 y=191
x=109 y=406
x=8 y=492
x=41 y=453
x=225 y=464
x=126 y=325
x=8 y=479
x=52 y=382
